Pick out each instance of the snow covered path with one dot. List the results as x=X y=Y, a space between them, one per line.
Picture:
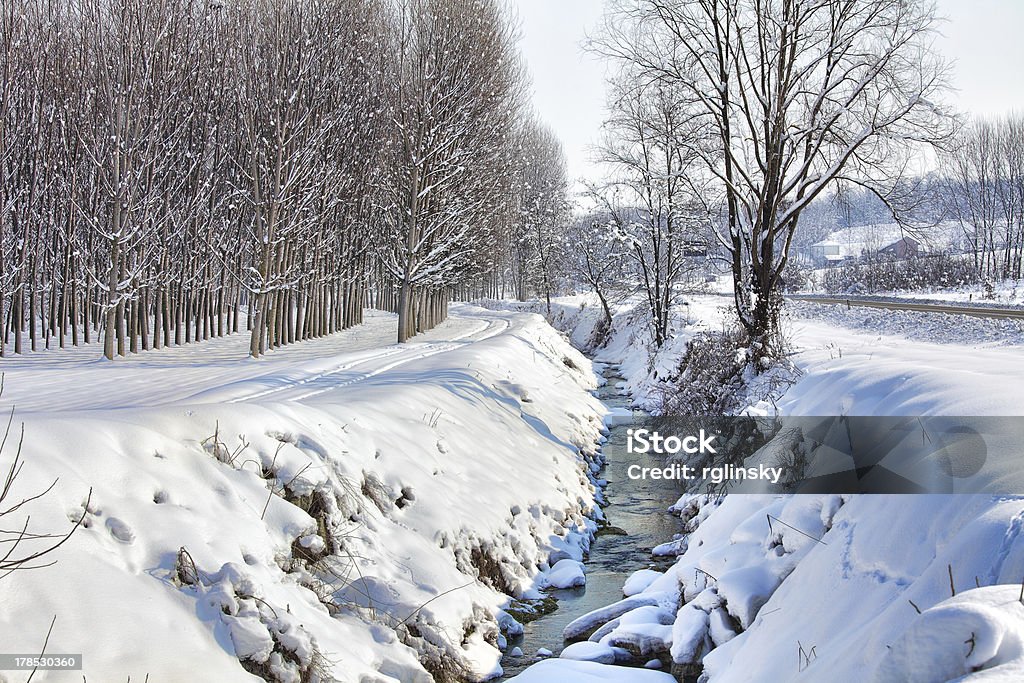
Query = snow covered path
x=219 y=370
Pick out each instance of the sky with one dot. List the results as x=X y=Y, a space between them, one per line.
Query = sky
x=982 y=37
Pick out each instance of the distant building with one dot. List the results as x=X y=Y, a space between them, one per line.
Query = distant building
x=826 y=252
x=694 y=249
x=903 y=248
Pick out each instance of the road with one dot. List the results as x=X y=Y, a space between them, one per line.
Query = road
x=953 y=309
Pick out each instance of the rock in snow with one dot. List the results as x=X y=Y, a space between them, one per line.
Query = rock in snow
x=587 y=651
x=566 y=574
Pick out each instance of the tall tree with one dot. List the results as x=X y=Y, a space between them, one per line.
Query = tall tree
x=786 y=97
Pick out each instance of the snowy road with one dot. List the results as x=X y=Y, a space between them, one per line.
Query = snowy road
x=950 y=309
x=219 y=370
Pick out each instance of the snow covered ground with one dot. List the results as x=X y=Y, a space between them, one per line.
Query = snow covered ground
x=343 y=505
x=876 y=588
x=876 y=362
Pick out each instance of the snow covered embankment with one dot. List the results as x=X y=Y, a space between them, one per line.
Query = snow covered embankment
x=629 y=342
x=772 y=588
x=369 y=535
x=878 y=588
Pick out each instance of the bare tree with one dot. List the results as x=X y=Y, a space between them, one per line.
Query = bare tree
x=458 y=87
x=176 y=170
x=542 y=186
x=596 y=257
x=786 y=98
x=652 y=193
x=985 y=182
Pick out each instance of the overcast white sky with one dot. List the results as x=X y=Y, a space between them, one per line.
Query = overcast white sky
x=983 y=37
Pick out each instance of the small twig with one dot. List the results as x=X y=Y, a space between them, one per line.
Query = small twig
x=708 y=574
x=43 y=650
x=185 y=563
x=264 y=602
x=439 y=595
x=771 y=530
x=952 y=588
x=918 y=609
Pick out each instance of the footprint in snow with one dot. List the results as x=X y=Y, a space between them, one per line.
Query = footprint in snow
x=120 y=531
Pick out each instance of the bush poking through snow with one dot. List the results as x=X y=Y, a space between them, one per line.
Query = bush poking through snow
x=710 y=377
x=268 y=640
x=218 y=449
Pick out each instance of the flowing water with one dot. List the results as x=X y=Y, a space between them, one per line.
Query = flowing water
x=636 y=507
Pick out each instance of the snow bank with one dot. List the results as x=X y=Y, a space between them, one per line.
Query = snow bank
x=628 y=343
x=861 y=372
x=828 y=587
x=369 y=527
x=979 y=632
x=836 y=583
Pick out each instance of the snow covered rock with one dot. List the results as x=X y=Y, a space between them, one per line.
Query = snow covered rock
x=566 y=573
x=639 y=581
x=583 y=626
x=978 y=633
x=587 y=651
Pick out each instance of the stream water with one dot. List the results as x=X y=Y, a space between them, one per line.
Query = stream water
x=638 y=508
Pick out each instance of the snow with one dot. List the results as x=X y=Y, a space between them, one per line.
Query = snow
x=880 y=588
x=1003 y=293
x=978 y=632
x=588 y=672
x=911 y=325
x=639 y=580
x=309 y=492
x=848 y=370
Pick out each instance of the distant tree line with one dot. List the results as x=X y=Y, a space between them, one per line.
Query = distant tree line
x=175 y=170
x=939 y=269
x=983 y=178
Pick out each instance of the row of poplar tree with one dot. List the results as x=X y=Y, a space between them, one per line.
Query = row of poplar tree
x=174 y=170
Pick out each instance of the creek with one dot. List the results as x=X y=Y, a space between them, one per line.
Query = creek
x=638 y=519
